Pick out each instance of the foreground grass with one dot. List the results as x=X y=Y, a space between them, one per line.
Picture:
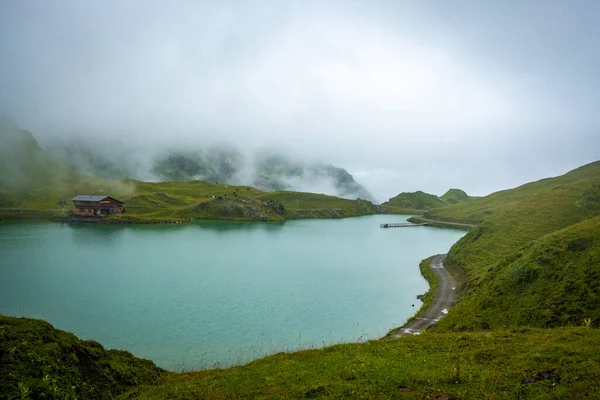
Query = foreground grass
x=435 y=366
x=38 y=361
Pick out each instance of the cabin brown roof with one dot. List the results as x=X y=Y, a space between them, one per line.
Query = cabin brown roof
x=94 y=199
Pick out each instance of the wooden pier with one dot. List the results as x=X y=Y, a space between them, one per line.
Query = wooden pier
x=401 y=225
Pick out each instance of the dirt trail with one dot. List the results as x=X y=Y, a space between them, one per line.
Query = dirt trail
x=445 y=298
x=437 y=221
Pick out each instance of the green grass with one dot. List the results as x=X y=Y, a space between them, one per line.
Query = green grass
x=32 y=183
x=424 y=201
x=532 y=262
x=477 y=209
x=38 y=361
x=552 y=281
x=156 y=202
x=517 y=267
x=435 y=366
x=453 y=196
x=401 y=211
x=416 y=200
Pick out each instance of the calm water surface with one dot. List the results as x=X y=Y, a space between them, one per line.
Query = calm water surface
x=217 y=292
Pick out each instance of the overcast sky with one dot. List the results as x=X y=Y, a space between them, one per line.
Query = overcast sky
x=480 y=95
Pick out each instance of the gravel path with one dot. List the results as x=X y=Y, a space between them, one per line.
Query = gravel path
x=445 y=298
x=437 y=221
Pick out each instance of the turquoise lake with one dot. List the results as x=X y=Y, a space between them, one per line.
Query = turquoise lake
x=217 y=293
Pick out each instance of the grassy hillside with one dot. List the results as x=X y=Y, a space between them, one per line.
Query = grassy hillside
x=183 y=201
x=220 y=163
x=418 y=200
x=453 y=196
x=424 y=201
x=478 y=209
x=526 y=250
x=552 y=281
x=24 y=165
x=38 y=361
x=32 y=183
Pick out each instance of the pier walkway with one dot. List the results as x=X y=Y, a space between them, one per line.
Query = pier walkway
x=401 y=225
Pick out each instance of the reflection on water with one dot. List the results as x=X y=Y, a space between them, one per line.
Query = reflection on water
x=94 y=234
x=85 y=233
x=225 y=226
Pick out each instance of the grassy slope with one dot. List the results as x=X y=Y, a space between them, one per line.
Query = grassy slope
x=181 y=201
x=435 y=366
x=480 y=208
x=38 y=361
x=511 y=241
x=32 y=182
x=552 y=281
x=418 y=200
x=424 y=201
x=198 y=199
x=453 y=196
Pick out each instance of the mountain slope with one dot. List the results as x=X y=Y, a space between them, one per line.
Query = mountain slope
x=477 y=209
x=266 y=171
x=512 y=240
x=453 y=196
x=26 y=170
x=418 y=200
x=32 y=183
x=552 y=281
x=424 y=201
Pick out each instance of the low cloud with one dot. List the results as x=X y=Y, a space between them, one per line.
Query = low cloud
x=401 y=98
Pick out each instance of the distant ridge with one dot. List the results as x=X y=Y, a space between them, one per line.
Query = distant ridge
x=420 y=200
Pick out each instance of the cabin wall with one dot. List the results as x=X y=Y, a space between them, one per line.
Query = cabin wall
x=90 y=208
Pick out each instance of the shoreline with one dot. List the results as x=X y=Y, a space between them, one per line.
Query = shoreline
x=442 y=291
x=133 y=219
x=440 y=224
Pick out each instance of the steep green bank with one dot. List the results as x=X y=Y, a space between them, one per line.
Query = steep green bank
x=38 y=361
x=424 y=201
x=523 y=265
x=552 y=281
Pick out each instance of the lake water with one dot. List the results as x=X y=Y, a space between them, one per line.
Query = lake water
x=217 y=292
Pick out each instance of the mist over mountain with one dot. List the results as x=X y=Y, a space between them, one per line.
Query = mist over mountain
x=24 y=165
x=265 y=170
x=217 y=162
x=97 y=158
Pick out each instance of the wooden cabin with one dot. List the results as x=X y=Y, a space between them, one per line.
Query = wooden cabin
x=94 y=207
